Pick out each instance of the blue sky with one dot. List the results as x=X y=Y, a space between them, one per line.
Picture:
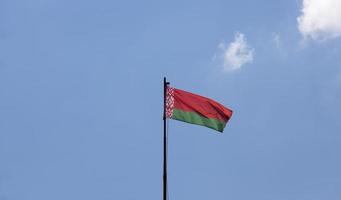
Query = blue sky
x=81 y=99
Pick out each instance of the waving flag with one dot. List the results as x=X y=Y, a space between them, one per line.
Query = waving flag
x=196 y=109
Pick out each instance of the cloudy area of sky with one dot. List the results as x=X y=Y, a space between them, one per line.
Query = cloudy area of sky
x=81 y=99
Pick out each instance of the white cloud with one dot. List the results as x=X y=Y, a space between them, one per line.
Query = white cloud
x=277 y=40
x=320 y=19
x=236 y=54
x=278 y=43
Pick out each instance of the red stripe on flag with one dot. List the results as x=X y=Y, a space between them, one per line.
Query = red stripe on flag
x=206 y=107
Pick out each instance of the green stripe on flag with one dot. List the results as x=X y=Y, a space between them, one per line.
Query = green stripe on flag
x=195 y=118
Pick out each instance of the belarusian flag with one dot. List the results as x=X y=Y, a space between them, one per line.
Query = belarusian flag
x=195 y=109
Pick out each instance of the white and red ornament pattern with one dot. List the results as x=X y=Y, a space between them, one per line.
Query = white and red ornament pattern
x=169 y=102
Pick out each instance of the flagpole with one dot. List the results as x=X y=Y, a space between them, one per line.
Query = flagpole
x=165 y=83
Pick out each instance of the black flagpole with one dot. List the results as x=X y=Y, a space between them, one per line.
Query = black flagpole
x=165 y=83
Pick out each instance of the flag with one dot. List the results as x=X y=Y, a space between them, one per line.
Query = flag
x=196 y=109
